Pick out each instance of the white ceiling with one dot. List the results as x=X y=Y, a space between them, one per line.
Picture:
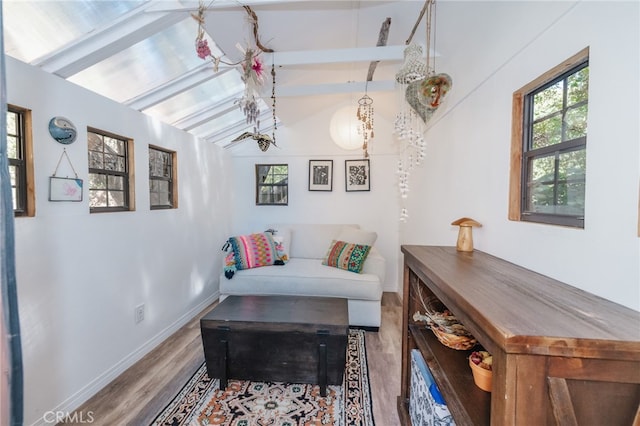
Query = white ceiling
x=142 y=52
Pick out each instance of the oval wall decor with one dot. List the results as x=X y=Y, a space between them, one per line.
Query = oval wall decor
x=62 y=130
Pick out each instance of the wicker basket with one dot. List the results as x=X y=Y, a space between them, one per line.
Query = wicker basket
x=446 y=327
x=453 y=341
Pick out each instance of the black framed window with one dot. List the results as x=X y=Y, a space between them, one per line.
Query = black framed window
x=162 y=178
x=554 y=149
x=272 y=184
x=20 y=166
x=109 y=172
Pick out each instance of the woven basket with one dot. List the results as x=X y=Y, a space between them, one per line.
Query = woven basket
x=453 y=341
x=446 y=327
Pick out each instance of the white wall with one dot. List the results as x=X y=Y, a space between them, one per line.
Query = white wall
x=309 y=139
x=80 y=275
x=504 y=46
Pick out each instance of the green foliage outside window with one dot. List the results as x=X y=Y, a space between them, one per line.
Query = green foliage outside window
x=555 y=147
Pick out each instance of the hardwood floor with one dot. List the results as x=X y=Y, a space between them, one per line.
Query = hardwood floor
x=141 y=392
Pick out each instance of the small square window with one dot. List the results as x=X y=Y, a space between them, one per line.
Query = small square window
x=272 y=184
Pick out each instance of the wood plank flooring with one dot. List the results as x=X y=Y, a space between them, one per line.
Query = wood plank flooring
x=140 y=393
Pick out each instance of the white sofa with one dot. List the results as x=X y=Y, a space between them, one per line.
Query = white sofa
x=305 y=275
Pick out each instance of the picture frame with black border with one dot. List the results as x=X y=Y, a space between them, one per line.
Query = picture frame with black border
x=320 y=175
x=357 y=175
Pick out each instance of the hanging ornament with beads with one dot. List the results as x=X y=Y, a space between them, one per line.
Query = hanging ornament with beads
x=365 y=119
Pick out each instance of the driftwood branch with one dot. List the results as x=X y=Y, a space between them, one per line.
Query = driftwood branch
x=382 y=41
x=254 y=21
x=415 y=27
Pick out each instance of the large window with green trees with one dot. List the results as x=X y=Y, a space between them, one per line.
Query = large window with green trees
x=550 y=145
x=272 y=184
x=19 y=143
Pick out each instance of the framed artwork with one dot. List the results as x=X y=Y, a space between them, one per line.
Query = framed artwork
x=356 y=175
x=320 y=175
x=65 y=189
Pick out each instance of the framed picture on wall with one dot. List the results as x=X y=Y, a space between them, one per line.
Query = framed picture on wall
x=356 y=175
x=320 y=175
x=65 y=189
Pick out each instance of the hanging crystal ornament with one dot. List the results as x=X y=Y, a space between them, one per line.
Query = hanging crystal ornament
x=420 y=92
x=408 y=126
x=365 y=118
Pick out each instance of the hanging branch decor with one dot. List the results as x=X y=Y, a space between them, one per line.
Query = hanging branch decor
x=263 y=140
x=202 y=45
x=252 y=78
x=252 y=66
x=420 y=92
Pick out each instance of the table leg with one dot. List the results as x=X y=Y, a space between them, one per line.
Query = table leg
x=224 y=354
x=322 y=362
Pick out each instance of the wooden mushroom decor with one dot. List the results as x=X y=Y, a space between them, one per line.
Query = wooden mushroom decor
x=465 y=237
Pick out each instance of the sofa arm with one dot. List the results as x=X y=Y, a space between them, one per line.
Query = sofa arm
x=375 y=264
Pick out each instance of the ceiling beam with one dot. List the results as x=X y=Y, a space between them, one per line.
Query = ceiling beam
x=357 y=54
x=219 y=109
x=98 y=45
x=218 y=4
x=234 y=129
x=186 y=81
x=334 y=88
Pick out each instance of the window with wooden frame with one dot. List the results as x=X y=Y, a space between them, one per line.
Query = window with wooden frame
x=162 y=178
x=549 y=145
x=111 y=178
x=20 y=155
x=272 y=184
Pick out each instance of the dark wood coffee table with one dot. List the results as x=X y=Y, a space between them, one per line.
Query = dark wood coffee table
x=277 y=338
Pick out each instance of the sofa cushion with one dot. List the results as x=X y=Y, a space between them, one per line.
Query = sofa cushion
x=310 y=241
x=357 y=236
x=347 y=256
x=303 y=277
x=282 y=239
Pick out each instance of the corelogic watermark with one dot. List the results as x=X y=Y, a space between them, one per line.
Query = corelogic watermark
x=75 y=417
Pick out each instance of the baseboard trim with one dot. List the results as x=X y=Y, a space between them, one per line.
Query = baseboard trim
x=76 y=400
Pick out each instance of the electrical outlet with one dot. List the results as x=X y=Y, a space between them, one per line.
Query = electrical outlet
x=139 y=313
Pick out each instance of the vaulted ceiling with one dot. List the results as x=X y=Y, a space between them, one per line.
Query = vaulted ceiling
x=141 y=53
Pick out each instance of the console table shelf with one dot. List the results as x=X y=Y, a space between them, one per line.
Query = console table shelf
x=561 y=355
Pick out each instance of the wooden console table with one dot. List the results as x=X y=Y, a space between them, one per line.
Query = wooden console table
x=561 y=356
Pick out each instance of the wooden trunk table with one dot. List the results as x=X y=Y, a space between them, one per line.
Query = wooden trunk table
x=277 y=338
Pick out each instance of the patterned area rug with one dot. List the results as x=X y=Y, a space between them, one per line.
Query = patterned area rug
x=244 y=403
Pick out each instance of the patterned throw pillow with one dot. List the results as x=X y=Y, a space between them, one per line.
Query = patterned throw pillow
x=346 y=256
x=250 y=251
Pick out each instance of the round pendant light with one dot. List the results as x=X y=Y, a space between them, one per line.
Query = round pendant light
x=343 y=128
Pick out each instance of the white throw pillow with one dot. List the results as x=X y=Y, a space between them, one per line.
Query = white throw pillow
x=357 y=236
x=282 y=235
